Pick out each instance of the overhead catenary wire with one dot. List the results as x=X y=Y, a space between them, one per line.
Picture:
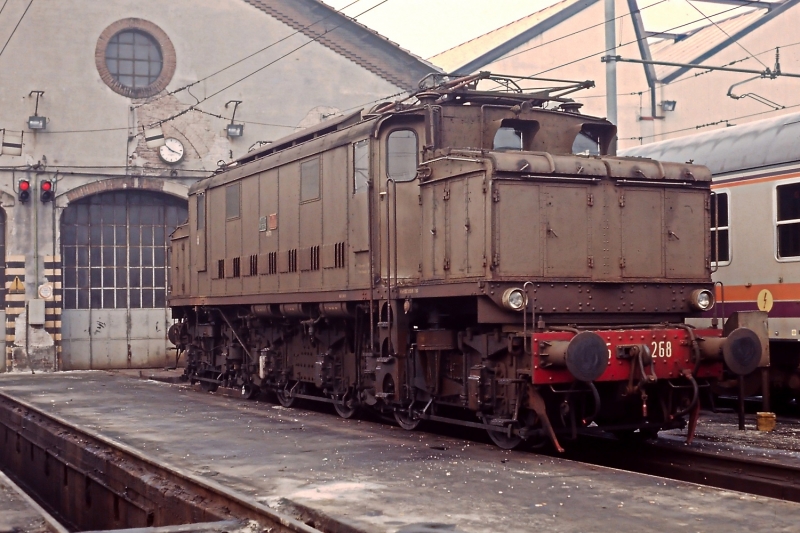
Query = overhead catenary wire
x=223 y=69
x=584 y=58
x=577 y=32
x=709 y=124
x=15 y=27
x=740 y=45
x=193 y=107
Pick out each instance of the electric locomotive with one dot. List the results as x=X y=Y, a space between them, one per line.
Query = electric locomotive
x=474 y=254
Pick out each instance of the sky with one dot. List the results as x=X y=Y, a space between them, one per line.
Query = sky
x=427 y=27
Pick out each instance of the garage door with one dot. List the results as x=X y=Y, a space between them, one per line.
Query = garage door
x=114 y=251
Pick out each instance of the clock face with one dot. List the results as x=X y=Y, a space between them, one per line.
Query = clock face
x=172 y=151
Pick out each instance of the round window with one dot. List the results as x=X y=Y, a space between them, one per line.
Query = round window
x=135 y=58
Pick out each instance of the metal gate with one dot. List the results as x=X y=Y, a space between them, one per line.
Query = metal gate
x=114 y=249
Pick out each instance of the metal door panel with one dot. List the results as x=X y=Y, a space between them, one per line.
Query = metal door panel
x=476 y=230
x=428 y=236
x=642 y=233
x=566 y=231
x=517 y=229
x=439 y=230
x=684 y=236
x=268 y=191
x=458 y=205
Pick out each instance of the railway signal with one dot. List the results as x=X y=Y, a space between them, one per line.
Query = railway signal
x=46 y=191
x=23 y=190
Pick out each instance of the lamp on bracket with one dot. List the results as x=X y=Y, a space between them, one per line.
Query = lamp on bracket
x=36 y=122
x=233 y=129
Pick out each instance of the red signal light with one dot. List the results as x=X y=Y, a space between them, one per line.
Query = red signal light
x=23 y=190
x=46 y=191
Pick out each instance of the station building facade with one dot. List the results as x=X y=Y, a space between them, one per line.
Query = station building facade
x=89 y=191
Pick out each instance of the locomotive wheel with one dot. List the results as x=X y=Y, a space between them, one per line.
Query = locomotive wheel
x=249 y=391
x=405 y=421
x=501 y=438
x=285 y=398
x=345 y=409
x=207 y=386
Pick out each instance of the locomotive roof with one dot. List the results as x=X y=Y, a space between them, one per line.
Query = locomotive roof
x=757 y=144
x=440 y=90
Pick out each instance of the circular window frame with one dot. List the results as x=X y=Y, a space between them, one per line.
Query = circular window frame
x=167 y=55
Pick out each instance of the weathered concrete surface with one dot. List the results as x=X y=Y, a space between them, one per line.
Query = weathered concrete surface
x=19 y=514
x=720 y=433
x=380 y=477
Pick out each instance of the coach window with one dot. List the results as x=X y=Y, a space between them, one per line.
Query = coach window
x=401 y=164
x=720 y=230
x=787 y=221
x=233 y=201
x=360 y=166
x=309 y=180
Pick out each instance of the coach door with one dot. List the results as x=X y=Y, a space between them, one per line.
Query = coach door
x=114 y=248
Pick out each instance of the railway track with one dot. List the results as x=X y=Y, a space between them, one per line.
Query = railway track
x=90 y=482
x=761 y=477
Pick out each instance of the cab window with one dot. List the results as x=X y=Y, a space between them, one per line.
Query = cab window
x=401 y=163
x=508 y=138
x=360 y=166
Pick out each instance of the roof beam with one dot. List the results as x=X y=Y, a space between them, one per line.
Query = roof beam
x=711 y=52
x=745 y=3
x=666 y=35
x=518 y=40
x=644 y=51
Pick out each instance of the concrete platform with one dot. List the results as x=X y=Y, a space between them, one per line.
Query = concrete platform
x=19 y=513
x=380 y=478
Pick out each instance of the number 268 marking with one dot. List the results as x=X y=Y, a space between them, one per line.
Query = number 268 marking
x=661 y=348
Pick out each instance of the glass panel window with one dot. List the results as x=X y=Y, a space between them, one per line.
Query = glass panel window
x=720 y=229
x=233 y=200
x=788 y=220
x=360 y=166
x=134 y=58
x=309 y=180
x=104 y=256
x=508 y=138
x=201 y=212
x=401 y=163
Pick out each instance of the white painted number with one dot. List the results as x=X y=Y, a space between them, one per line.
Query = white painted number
x=661 y=348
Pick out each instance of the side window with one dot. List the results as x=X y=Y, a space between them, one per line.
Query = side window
x=787 y=221
x=309 y=180
x=201 y=212
x=233 y=200
x=720 y=229
x=401 y=163
x=360 y=166
x=508 y=138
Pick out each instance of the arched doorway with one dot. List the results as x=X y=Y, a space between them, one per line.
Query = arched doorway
x=114 y=248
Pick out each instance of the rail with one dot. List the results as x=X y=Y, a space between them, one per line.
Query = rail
x=760 y=477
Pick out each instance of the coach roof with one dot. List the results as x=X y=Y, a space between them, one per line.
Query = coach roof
x=757 y=144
